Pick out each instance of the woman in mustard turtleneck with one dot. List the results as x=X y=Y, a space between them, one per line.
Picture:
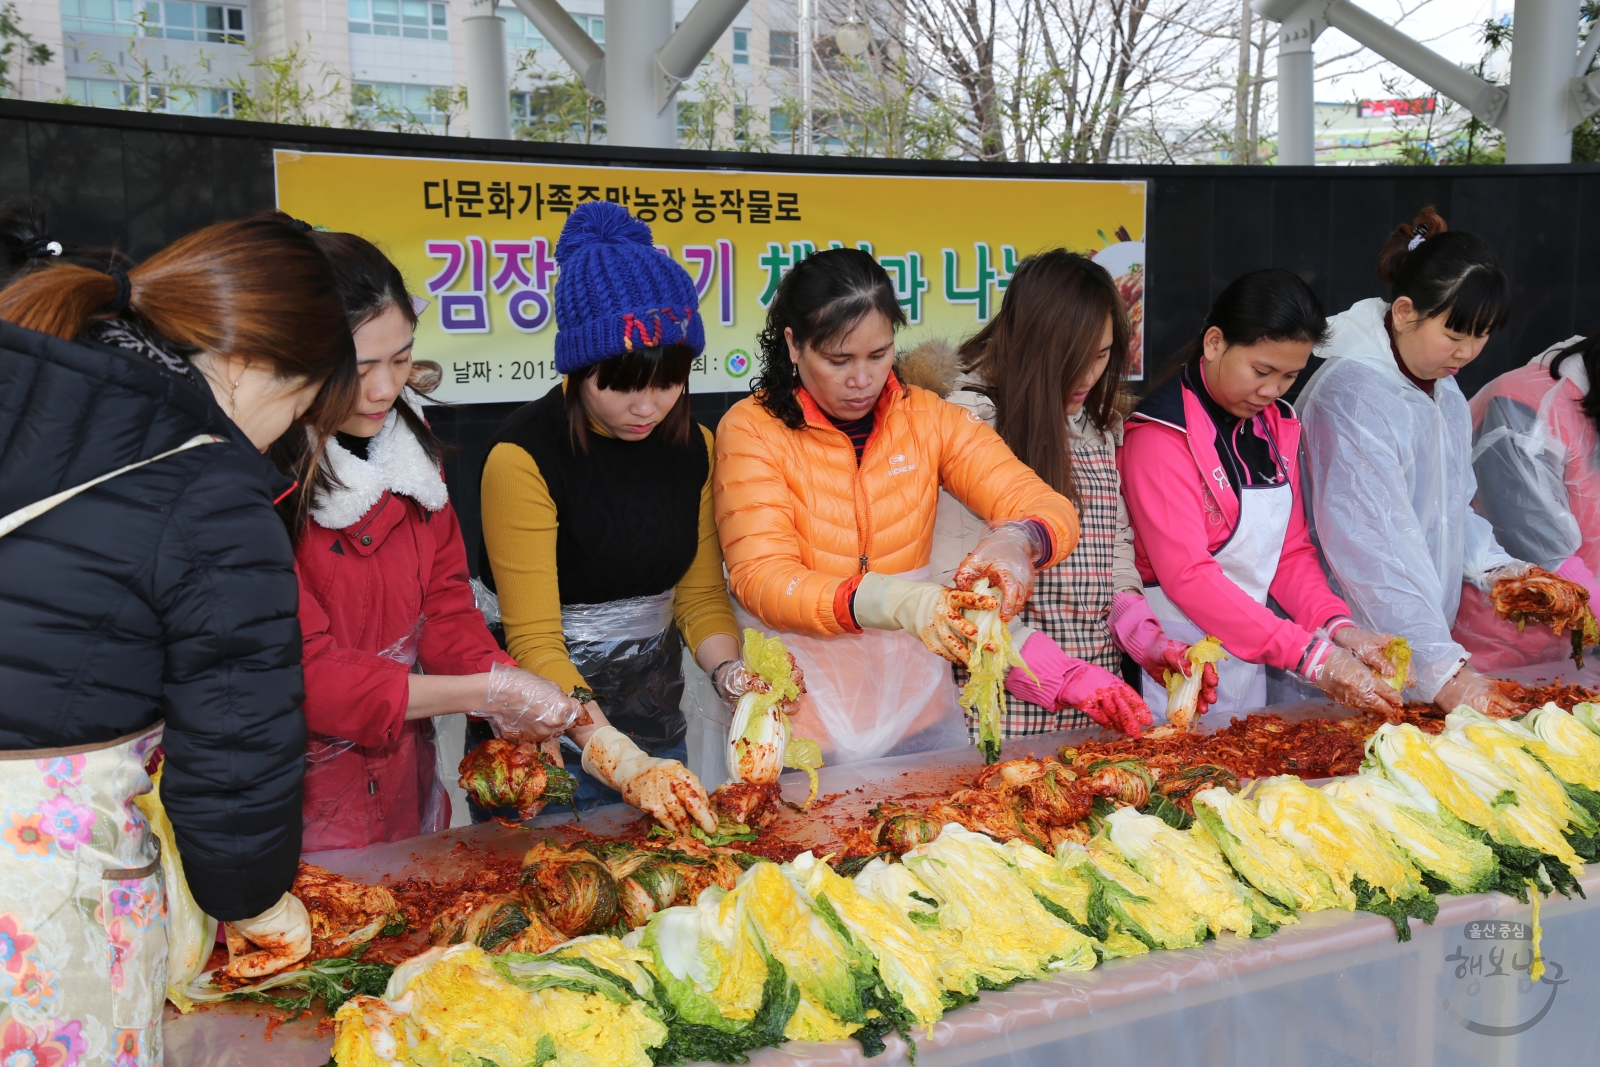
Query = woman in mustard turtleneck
x=597 y=518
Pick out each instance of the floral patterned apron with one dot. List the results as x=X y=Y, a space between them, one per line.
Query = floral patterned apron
x=83 y=908
x=83 y=913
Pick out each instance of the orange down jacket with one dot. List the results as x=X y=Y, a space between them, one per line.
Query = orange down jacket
x=798 y=519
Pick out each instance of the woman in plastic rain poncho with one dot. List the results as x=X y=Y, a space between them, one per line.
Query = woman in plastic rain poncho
x=597 y=519
x=827 y=484
x=1389 y=453
x=1536 y=454
x=1211 y=474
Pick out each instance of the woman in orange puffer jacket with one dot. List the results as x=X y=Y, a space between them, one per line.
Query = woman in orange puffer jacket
x=826 y=487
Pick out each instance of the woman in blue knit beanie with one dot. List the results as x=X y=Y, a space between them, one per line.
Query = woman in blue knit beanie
x=597 y=524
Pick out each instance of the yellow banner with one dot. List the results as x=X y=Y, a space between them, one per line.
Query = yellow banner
x=478 y=239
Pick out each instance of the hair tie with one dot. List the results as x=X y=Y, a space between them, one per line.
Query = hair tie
x=296 y=224
x=1418 y=235
x=42 y=247
x=119 y=303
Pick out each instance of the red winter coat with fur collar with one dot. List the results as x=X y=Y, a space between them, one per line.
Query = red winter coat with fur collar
x=383 y=584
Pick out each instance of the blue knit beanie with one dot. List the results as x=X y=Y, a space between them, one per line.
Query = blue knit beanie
x=617 y=294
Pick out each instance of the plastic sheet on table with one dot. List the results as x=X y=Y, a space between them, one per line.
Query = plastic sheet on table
x=1336 y=989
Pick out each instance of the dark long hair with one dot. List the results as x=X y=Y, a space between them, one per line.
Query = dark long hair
x=661 y=367
x=26 y=244
x=1448 y=272
x=821 y=298
x=258 y=288
x=368 y=284
x=1263 y=305
x=1587 y=350
x=1035 y=350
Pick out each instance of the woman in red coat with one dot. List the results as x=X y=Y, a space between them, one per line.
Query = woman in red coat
x=383 y=589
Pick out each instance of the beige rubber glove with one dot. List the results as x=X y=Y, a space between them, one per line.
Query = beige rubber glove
x=930 y=611
x=277 y=938
x=662 y=788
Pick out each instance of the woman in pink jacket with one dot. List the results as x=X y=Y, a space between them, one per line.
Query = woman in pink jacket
x=1210 y=469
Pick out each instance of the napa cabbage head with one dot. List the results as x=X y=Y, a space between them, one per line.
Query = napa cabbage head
x=1190 y=866
x=1588 y=715
x=830 y=969
x=903 y=953
x=1512 y=747
x=1264 y=861
x=1573 y=752
x=1405 y=755
x=1005 y=933
x=1439 y=844
x=1520 y=821
x=1335 y=839
x=895 y=886
x=1133 y=904
x=760 y=731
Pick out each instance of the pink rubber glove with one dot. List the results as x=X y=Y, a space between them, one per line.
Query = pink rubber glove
x=1060 y=682
x=1575 y=570
x=1137 y=631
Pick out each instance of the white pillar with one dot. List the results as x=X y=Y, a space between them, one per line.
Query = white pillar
x=1297 y=112
x=488 y=90
x=1544 y=43
x=635 y=29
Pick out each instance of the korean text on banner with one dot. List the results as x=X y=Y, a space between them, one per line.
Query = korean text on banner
x=478 y=241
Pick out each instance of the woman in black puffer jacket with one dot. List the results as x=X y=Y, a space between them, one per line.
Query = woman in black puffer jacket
x=156 y=607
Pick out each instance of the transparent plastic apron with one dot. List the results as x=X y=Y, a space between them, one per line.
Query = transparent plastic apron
x=1249 y=560
x=873 y=694
x=630 y=654
x=83 y=910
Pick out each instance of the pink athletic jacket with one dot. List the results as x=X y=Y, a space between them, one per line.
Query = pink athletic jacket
x=1183 y=509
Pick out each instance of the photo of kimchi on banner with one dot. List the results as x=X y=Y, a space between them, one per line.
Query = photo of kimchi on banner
x=477 y=240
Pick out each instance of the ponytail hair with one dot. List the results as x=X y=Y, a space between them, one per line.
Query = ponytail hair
x=1263 y=305
x=822 y=298
x=1588 y=350
x=26 y=244
x=1446 y=272
x=255 y=288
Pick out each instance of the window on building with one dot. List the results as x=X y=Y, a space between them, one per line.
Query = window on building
x=414 y=102
x=782 y=47
x=741 y=47
x=102 y=92
x=778 y=123
x=176 y=20
x=418 y=19
x=594 y=26
x=521 y=35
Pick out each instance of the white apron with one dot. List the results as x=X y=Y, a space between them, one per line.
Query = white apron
x=873 y=694
x=83 y=908
x=1250 y=561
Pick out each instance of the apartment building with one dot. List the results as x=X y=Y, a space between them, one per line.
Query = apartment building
x=401 y=58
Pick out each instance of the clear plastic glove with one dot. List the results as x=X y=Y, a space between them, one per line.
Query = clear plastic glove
x=930 y=611
x=1482 y=694
x=1350 y=682
x=1137 y=631
x=1366 y=646
x=277 y=938
x=521 y=706
x=662 y=788
x=1060 y=682
x=732 y=681
x=1507 y=570
x=1005 y=555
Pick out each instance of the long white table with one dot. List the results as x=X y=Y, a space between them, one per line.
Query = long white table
x=1335 y=989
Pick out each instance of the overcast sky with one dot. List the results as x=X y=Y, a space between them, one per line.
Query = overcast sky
x=1449 y=27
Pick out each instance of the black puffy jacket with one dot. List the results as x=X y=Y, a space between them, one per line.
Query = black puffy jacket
x=166 y=593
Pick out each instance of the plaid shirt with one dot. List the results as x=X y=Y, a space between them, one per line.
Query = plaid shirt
x=1071 y=600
